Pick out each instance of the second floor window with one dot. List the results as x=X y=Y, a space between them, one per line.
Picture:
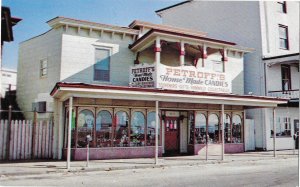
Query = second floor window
x=102 y=65
x=43 y=68
x=281 y=6
x=286 y=77
x=283 y=37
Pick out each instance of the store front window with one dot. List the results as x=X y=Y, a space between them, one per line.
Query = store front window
x=103 y=129
x=227 y=135
x=85 y=126
x=137 y=130
x=237 y=130
x=213 y=129
x=283 y=127
x=121 y=132
x=200 y=129
x=151 y=129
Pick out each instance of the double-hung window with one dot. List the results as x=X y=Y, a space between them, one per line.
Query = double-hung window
x=43 y=68
x=286 y=77
x=102 y=64
x=283 y=37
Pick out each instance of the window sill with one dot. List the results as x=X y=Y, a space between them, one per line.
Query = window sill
x=101 y=82
x=282 y=137
x=286 y=49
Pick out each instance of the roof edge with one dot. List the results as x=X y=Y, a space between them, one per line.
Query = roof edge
x=113 y=87
x=172 y=6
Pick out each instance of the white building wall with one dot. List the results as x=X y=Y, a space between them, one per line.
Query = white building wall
x=281 y=142
x=9 y=78
x=274 y=82
x=80 y=50
x=271 y=18
x=30 y=84
x=217 y=19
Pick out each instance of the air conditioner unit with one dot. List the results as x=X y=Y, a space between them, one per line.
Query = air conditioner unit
x=39 y=107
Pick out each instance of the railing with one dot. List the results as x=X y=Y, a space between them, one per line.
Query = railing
x=286 y=94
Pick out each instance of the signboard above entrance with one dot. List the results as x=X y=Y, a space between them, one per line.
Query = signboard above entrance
x=192 y=79
x=142 y=76
x=180 y=78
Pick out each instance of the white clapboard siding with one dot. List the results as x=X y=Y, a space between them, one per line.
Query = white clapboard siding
x=23 y=143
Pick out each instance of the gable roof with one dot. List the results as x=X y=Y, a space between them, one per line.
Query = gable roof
x=59 y=21
x=137 y=24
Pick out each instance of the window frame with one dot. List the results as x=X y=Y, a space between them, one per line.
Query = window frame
x=283 y=79
x=282 y=5
x=42 y=68
x=135 y=140
x=286 y=39
x=283 y=124
x=216 y=63
x=101 y=133
x=109 y=49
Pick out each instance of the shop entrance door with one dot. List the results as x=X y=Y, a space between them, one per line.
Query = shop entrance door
x=171 y=136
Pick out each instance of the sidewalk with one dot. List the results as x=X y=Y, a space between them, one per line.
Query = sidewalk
x=48 y=167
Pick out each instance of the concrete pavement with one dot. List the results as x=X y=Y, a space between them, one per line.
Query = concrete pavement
x=47 y=167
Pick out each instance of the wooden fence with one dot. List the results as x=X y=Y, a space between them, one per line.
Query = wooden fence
x=26 y=140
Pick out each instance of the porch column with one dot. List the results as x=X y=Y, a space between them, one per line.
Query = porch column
x=157 y=50
x=69 y=132
x=274 y=133
x=204 y=54
x=222 y=125
x=156 y=131
x=182 y=53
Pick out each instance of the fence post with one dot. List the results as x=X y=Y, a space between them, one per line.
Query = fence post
x=8 y=136
x=33 y=134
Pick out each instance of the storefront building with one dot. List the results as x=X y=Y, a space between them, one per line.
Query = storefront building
x=143 y=91
x=193 y=83
x=123 y=121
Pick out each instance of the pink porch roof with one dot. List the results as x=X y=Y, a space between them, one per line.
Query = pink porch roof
x=151 y=94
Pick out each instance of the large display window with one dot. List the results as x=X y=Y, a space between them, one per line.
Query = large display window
x=121 y=138
x=85 y=126
x=213 y=129
x=227 y=129
x=200 y=129
x=137 y=129
x=151 y=129
x=237 y=130
x=103 y=129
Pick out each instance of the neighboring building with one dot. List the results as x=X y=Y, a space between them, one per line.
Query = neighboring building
x=272 y=29
x=127 y=86
x=7 y=22
x=9 y=80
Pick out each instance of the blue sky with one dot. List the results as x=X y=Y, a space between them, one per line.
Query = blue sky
x=35 y=14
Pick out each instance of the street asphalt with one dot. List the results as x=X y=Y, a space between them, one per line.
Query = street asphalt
x=42 y=167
